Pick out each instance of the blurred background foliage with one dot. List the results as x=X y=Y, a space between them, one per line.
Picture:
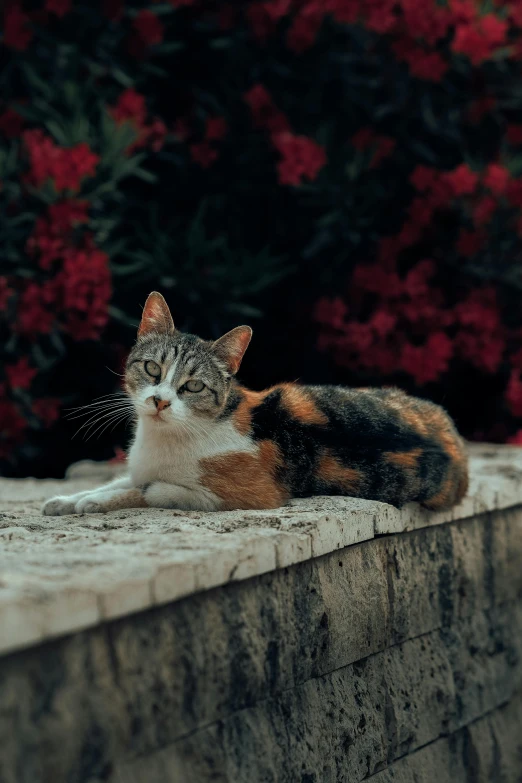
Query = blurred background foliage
x=345 y=176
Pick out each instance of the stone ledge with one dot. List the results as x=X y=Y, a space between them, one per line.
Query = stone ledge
x=330 y=670
x=59 y=575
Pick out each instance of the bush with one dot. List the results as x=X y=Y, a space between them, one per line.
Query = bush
x=349 y=170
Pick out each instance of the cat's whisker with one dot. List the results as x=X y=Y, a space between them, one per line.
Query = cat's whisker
x=101 y=409
x=97 y=403
x=114 y=421
x=98 y=418
x=101 y=426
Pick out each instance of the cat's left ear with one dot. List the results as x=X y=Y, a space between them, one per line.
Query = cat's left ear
x=232 y=346
x=156 y=316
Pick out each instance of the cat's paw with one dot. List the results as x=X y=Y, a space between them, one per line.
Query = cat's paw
x=59 y=506
x=90 y=505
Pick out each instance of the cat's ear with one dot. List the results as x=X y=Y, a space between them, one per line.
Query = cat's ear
x=156 y=316
x=232 y=346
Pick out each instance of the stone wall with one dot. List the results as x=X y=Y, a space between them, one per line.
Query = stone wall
x=398 y=658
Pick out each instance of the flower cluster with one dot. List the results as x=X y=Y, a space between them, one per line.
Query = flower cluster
x=66 y=167
x=424 y=34
x=301 y=157
x=131 y=108
x=355 y=164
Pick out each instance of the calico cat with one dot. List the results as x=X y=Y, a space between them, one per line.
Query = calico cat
x=204 y=442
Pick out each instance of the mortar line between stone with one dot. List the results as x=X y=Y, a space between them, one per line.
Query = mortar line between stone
x=279 y=692
x=446 y=735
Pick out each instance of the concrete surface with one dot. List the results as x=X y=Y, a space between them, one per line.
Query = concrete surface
x=62 y=574
x=330 y=641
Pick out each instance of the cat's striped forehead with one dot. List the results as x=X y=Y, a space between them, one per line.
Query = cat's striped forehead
x=181 y=356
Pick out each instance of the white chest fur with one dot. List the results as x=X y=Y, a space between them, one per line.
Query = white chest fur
x=160 y=454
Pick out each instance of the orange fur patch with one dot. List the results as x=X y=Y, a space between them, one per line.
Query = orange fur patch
x=444 y=498
x=246 y=481
x=301 y=406
x=242 y=416
x=416 y=421
x=403 y=459
x=131 y=498
x=332 y=472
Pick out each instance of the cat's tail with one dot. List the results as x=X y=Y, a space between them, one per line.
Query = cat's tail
x=456 y=481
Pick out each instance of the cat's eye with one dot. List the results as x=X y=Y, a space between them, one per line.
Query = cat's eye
x=194 y=386
x=153 y=369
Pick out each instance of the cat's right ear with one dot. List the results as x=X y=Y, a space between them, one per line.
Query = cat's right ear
x=156 y=317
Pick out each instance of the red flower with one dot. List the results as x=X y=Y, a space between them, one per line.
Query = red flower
x=383 y=322
x=305 y=26
x=375 y=279
x=381 y=18
x=417 y=281
x=463 y=10
x=85 y=289
x=478 y=40
x=77 y=163
x=496 y=178
x=58 y=7
x=17 y=32
x=424 y=65
x=462 y=180
x=514 y=133
x=66 y=166
x=11 y=123
x=264 y=112
x=36 y=309
x=493 y=29
x=423 y=178
x=130 y=106
x=301 y=157
x=516 y=439
x=203 y=154
x=426 y=20
x=216 y=128
x=484 y=210
x=427 y=362
x=470 y=242
x=484 y=351
x=64 y=215
x=47 y=409
x=149 y=27
x=51 y=232
x=514 y=192
x=20 y=375
x=330 y=312
x=155 y=134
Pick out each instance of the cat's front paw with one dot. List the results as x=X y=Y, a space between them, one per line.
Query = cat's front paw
x=90 y=505
x=59 y=506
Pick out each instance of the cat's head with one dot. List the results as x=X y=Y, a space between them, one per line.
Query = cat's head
x=179 y=379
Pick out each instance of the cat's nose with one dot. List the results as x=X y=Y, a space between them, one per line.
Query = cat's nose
x=160 y=404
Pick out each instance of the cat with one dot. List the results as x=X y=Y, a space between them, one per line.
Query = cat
x=203 y=442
